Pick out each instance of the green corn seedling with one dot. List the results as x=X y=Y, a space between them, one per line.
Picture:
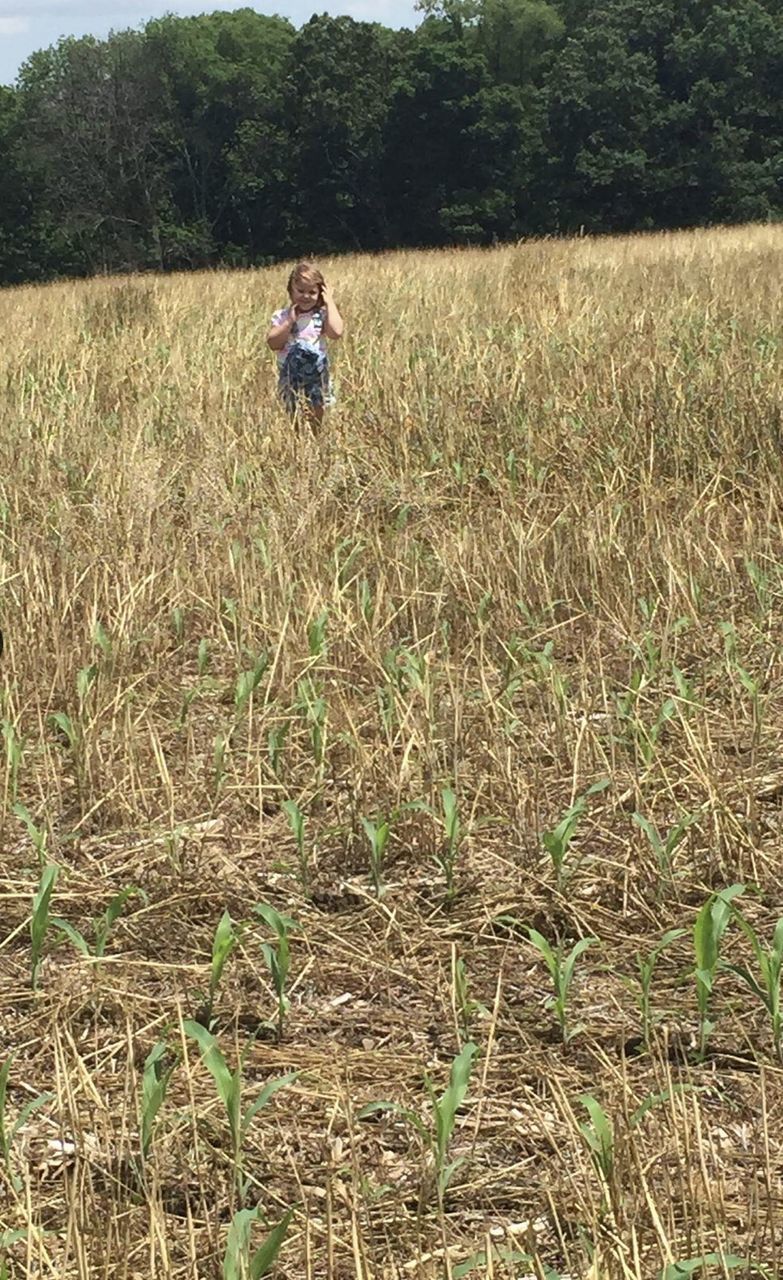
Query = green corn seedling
x=437 y=1136
x=765 y=982
x=278 y=956
x=297 y=823
x=365 y=600
x=558 y=841
x=447 y=856
x=154 y=1086
x=178 y=623
x=561 y=971
x=686 y=690
x=649 y=651
x=238 y=1262
x=445 y=1113
x=312 y=704
x=316 y=635
x=275 y=744
x=202 y=657
x=37 y=834
x=626 y=703
x=345 y=567
x=601 y=1139
x=646 y=966
x=9 y=1131
x=188 y=698
x=102 y=639
x=223 y=943
x=447 y=850
x=7 y=1239
x=378 y=836
x=39 y=921
x=598 y=1133
x=229 y=1088
x=70 y=734
x=248 y=682
x=466 y=1009
x=664 y=849
x=648 y=736
x=102 y=925
x=85 y=679
x=708 y=933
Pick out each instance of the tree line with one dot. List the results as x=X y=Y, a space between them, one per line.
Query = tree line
x=236 y=138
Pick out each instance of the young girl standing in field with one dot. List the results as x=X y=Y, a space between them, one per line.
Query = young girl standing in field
x=298 y=335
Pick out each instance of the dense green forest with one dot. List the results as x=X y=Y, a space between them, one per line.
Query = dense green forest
x=236 y=138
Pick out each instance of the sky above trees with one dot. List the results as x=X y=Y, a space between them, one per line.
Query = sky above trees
x=27 y=25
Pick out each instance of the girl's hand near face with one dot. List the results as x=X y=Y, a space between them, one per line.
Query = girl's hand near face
x=326 y=296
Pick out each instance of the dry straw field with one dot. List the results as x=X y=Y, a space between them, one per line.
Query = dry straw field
x=434 y=762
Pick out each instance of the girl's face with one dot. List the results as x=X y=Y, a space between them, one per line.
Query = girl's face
x=305 y=294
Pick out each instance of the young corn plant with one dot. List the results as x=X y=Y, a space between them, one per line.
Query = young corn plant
x=378 y=836
x=296 y=821
x=70 y=732
x=275 y=745
x=238 y=1262
x=246 y=684
x=229 y=1089
x=445 y=1110
x=223 y=943
x=626 y=703
x=311 y=704
x=558 y=841
x=664 y=849
x=40 y=919
x=766 y=980
x=101 y=925
x=8 y=1131
x=316 y=635
x=599 y=1136
x=159 y=1067
x=646 y=966
x=466 y=1009
x=648 y=650
x=37 y=834
x=277 y=955
x=447 y=850
x=647 y=736
x=437 y=1135
x=561 y=971
x=708 y=933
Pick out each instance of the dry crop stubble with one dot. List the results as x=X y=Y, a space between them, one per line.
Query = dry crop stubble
x=537 y=545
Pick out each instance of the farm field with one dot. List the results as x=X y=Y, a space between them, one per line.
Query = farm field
x=433 y=762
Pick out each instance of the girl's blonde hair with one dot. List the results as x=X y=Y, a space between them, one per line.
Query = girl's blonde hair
x=306 y=272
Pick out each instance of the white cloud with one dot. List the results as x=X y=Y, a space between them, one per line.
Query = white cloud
x=13 y=26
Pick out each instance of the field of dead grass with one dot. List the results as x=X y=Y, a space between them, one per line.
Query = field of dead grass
x=513 y=620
